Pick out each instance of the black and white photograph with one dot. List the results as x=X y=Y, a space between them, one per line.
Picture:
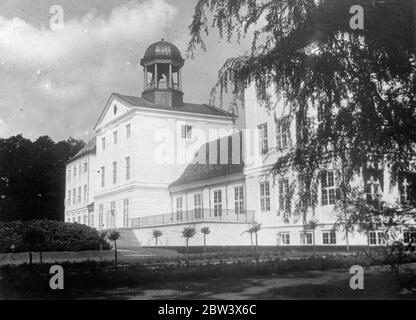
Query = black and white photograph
x=231 y=151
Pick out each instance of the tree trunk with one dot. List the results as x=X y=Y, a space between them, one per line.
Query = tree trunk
x=115 y=253
x=347 y=239
x=313 y=236
x=257 y=256
x=187 y=251
x=156 y=241
x=205 y=246
x=30 y=257
x=101 y=252
x=252 y=247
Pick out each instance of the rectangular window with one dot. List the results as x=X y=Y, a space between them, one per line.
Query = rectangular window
x=283 y=133
x=238 y=200
x=127 y=168
x=323 y=111
x=179 y=210
x=84 y=220
x=327 y=188
x=186 y=132
x=265 y=196
x=74 y=195
x=103 y=143
x=75 y=171
x=115 y=137
x=128 y=131
x=284 y=196
x=100 y=216
x=79 y=219
x=372 y=184
x=85 y=193
x=217 y=203
x=79 y=169
x=372 y=237
x=306 y=237
x=409 y=236
x=329 y=237
x=304 y=191
x=102 y=176
x=112 y=223
x=263 y=138
x=69 y=174
x=126 y=213
x=114 y=172
x=79 y=194
x=285 y=238
x=69 y=197
x=92 y=220
x=85 y=166
x=197 y=206
x=381 y=238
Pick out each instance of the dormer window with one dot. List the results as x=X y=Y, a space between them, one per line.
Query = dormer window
x=115 y=109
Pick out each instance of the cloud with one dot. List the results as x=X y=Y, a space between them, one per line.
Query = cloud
x=57 y=82
x=25 y=44
x=4 y=129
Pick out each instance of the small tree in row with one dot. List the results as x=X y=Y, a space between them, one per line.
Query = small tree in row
x=205 y=231
x=157 y=234
x=114 y=236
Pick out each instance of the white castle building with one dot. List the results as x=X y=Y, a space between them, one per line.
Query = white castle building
x=159 y=163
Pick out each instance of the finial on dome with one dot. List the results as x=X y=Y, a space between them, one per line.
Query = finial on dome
x=163 y=39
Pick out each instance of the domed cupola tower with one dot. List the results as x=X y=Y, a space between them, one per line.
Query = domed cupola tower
x=162 y=63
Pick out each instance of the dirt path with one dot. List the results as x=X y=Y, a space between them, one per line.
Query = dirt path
x=378 y=284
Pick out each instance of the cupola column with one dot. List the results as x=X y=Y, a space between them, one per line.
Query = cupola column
x=170 y=77
x=145 y=78
x=155 y=84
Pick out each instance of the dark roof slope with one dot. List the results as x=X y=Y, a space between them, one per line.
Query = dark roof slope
x=198 y=172
x=186 y=107
x=202 y=171
x=90 y=147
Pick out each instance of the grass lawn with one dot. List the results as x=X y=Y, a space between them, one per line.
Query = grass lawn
x=379 y=283
x=125 y=256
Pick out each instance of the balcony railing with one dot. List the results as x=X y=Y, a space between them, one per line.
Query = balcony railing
x=196 y=215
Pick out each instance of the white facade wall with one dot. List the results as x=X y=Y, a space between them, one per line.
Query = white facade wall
x=76 y=211
x=158 y=155
x=221 y=234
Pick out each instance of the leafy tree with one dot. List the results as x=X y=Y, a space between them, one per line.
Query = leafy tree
x=205 y=231
x=156 y=235
x=188 y=233
x=32 y=177
x=102 y=240
x=114 y=236
x=360 y=82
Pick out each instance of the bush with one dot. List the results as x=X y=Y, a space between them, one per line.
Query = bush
x=58 y=236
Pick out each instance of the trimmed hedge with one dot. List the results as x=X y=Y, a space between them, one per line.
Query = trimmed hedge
x=57 y=235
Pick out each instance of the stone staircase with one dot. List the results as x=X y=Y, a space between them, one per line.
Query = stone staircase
x=127 y=239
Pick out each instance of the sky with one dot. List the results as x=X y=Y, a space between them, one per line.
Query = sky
x=56 y=82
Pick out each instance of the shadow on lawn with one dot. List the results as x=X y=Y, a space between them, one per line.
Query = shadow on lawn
x=308 y=285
